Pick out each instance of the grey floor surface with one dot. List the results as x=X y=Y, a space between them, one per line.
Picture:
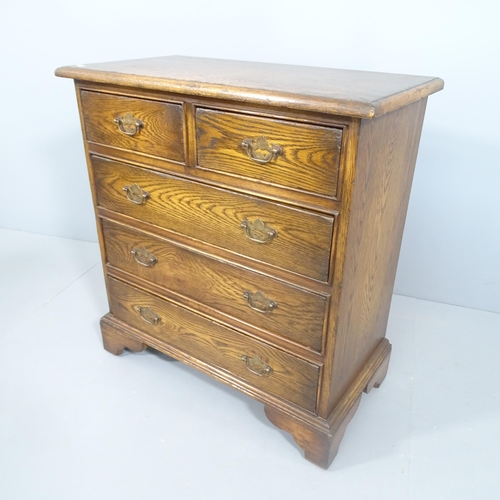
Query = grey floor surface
x=79 y=423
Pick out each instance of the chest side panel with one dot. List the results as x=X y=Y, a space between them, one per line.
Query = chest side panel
x=385 y=162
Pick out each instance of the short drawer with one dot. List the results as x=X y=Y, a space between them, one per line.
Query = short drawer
x=141 y=125
x=292 y=239
x=293 y=155
x=268 y=304
x=262 y=366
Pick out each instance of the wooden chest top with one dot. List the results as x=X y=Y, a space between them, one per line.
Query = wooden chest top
x=361 y=94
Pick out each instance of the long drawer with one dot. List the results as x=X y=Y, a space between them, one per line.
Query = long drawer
x=261 y=365
x=271 y=305
x=282 y=153
x=292 y=239
x=145 y=126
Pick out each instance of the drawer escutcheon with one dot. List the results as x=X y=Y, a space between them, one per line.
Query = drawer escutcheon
x=148 y=315
x=258 y=302
x=136 y=194
x=143 y=257
x=257 y=366
x=259 y=231
x=260 y=150
x=129 y=125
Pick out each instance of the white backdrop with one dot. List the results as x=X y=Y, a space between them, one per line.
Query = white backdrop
x=451 y=247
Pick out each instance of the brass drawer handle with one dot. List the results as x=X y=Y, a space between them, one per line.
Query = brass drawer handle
x=258 y=302
x=136 y=194
x=258 y=231
x=143 y=257
x=148 y=315
x=257 y=366
x=129 y=125
x=261 y=151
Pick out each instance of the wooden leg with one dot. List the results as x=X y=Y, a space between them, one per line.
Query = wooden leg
x=320 y=438
x=116 y=340
x=321 y=442
x=379 y=375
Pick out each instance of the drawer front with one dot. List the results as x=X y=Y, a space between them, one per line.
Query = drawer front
x=294 y=155
x=282 y=309
x=141 y=125
x=266 y=368
x=292 y=239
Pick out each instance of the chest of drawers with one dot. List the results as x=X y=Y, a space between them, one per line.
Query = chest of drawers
x=250 y=218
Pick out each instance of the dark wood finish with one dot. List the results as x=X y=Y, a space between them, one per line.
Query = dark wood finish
x=220 y=285
x=292 y=379
x=309 y=162
x=213 y=215
x=360 y=94
x=161 y=134
x=330 y=183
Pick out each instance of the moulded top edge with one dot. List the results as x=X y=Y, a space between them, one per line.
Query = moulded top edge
x=359 y=94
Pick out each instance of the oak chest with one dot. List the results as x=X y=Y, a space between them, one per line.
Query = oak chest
x=250 y=218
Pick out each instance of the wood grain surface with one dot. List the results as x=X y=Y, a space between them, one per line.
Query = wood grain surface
x=116 y=342
x=310 y=159
x=361 y=94
x=336 y=198
x=319 y=437
x=303 y=240
x=161 y=135
x=387 y=152
x=292 y=379
x=299 y=316
x=279 y=193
